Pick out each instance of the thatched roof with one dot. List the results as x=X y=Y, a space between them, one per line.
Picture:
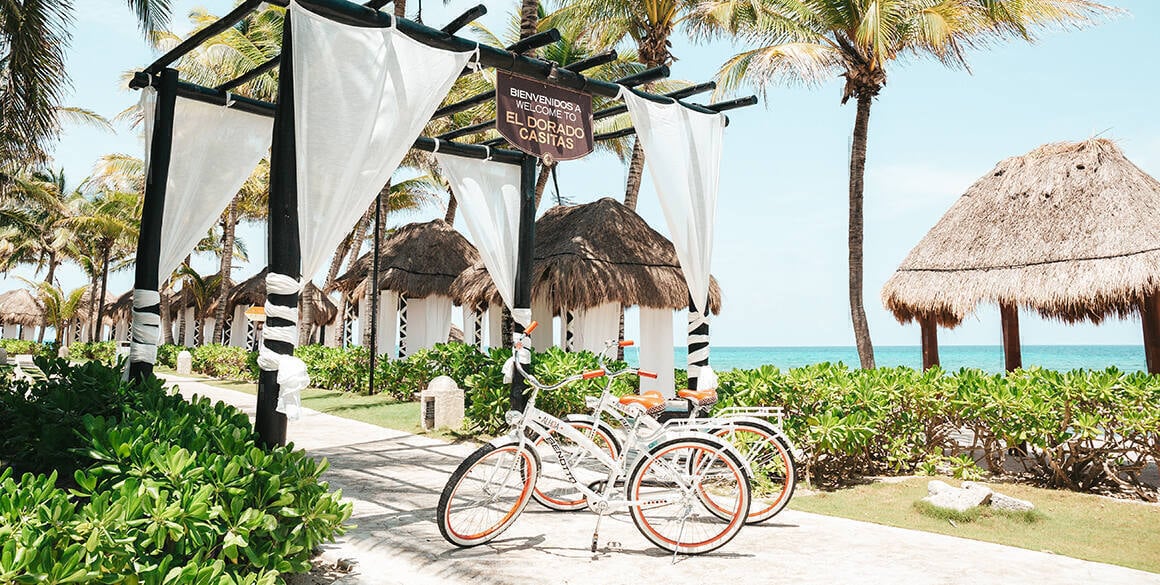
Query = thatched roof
x=19 y=307
x=417 y=260
x=592 y=254
x=120 y=309
x=252 y=291
x=1071 y=230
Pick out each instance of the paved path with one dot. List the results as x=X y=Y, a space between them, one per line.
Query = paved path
x=394 y=480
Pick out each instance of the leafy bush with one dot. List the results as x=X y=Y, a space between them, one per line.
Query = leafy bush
x=21 y=347
x=170 y=492
x=226 y=362
x=167 y=354
x=335 y=368
x=102 y=351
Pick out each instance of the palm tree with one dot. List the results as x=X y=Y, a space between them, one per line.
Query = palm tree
x=60 y=307
x=34 y=37
x=811 y=41
x=201 y=291
x=108 y=222
x=649 y=24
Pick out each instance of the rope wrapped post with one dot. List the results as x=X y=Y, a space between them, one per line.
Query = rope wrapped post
x=280 y=332
x=146 y=329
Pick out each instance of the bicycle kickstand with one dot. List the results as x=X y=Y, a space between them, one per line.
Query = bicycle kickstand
x=596 y=532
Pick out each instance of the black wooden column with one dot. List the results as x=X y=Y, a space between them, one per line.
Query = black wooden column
x=374 y=292
x=525 y=251
x=285 y=254
x=153 y=207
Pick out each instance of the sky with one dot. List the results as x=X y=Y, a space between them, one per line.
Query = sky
x=780 y=251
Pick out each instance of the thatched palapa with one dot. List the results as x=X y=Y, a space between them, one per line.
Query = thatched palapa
x=592 y=254
x=19 y=307
x=1071 y=230
x=417 y=260
x=252 y=291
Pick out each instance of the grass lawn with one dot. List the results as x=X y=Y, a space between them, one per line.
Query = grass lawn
x=1076 y=525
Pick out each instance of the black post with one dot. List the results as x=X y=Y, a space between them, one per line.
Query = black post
x=524 y=254
x=285 y=254
x=374 y=292
x=156 y=181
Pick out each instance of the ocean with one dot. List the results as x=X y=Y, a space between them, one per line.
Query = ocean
x=1129 y=358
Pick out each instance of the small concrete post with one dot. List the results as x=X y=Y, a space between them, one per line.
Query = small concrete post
x=184 y=363
x=441 y=405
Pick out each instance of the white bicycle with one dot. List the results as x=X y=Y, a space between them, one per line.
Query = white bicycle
x=687 y=492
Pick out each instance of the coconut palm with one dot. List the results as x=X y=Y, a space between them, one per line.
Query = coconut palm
x=200 y=291
x=34 y=37
x=60 y=307
x=108 y=222
x=647 y=24
x=811 y=41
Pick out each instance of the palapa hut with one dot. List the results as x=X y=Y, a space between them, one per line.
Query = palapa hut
x=1071 y=230
x=417 y=264
x=591 y=260
x=314 y=307
x=20 y=314
x=119 y=315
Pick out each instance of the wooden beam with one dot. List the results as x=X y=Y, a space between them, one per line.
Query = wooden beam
x=1012 y=353
x=929 y=342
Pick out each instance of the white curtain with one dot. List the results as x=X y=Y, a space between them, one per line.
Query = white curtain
x=388 y=322
x=215 y=148
x=488 y=194
x=428 y=322
x=656 y=349
x=677 y=139
x=495 y=326
x=593 y=327
x=361 y=98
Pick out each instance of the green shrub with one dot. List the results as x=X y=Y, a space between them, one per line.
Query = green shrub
x=20 y=347
x=165 y=491
x=335 y=368
x=225 y=362
x=102 y=351
x=167 y=354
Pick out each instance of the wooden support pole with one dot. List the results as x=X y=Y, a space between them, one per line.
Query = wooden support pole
x=1012 y=353
x=929 y=342
x=146 y=276
x=1150 y=319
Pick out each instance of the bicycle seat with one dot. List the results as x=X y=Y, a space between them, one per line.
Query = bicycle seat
x=703 y=398
x=652 y=402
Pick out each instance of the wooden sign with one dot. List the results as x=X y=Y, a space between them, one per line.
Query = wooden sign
x=543 y=120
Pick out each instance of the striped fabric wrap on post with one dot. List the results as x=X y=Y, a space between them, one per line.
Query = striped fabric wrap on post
x=282 y=326
x=146 y=334
x=698 y=342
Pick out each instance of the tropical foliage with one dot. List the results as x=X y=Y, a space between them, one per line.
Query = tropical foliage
x=129 y=483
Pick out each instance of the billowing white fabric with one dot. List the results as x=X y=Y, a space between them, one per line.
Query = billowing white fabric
x=683 y=152
x=469 y=320
x=146 y=329
x=488 y=194
x=428 y=322
x=361 y=98
x=656 y=350
x=215 y=149
x=595 y=326
x=388 y=322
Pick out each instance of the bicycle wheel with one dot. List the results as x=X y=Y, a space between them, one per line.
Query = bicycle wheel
x=771 y=466
x=667 y=489
x=556 y=487
x=487 y=492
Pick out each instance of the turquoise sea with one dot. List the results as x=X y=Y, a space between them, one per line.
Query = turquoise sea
x=1128 y=358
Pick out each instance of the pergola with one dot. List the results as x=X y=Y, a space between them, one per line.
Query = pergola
x=285 y=248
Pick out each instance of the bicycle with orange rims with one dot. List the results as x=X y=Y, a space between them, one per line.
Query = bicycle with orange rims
x=768 y=453
x=687 y=492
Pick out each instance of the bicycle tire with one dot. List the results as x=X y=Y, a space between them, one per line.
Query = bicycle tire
x=554 y=489
x=773 y=472
x=467 y=514
x=673 y=515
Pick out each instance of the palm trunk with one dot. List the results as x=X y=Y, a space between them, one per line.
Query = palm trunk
x=182 y=305
x=48 y=280
x=104 y=290
x=529 y=17
x=857 y=174
x=357 y=236
x=635 y=170
x=542 y=182
x=452 y=207
x=227 y=264
x=401 y=8
x=306 y=314
x=166 y=322
x=92 y=303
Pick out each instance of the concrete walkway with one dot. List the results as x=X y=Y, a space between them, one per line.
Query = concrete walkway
x=394 y=480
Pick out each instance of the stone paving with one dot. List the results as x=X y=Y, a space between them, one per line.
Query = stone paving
x=394 y=480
